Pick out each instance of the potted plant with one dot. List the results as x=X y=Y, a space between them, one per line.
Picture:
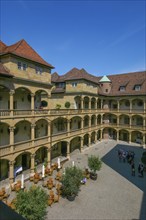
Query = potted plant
x=71 y=182
x=67 y=105
x=94 y=164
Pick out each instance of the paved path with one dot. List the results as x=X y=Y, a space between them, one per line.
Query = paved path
x=116 y=195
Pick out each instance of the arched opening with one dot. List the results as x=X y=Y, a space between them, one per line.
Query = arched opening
x=75 y=123
x=22 y=99
x=41 y=128
x=98 y=119
x=23 y=161
x=41 y=155
x=93 y=103
x=41 y=99
x=86 y=103
x=22 y=131
x=137 y=120
x=4 y=134
x=124 y=135
x=93 y=120
x=4 y=98
x=124 y=104
x=137 y=137
x=75 y=143
x=109 y=119
x=86 y=121
x=93 y=137
x=86 y=140
x=4 y=169
x=77 y=102
x=124 y=120
x=59 y=125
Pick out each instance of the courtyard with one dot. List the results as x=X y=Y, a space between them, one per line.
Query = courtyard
x=115 y=195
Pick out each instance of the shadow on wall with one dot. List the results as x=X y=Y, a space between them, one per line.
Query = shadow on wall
x=124 y=169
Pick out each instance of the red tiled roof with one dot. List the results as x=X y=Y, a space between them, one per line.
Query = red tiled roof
x=74 y=74
x=54 y=77
x=23 y=49
x=129 y=80
x=4 y=70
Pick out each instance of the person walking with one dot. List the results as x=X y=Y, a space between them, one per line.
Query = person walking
x=141 y=170
x=132 y=168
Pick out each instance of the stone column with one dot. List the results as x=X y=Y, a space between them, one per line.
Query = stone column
x=82 y=139
x=49 y=132
x=100 y=134
x=130 y=120
x=118 y=121
x=89 y=140
x=11 y=102
x=129 y=137
x=32 y=133
x=32 y=162
x=11 y=171
x=68 y=150
x=82 y=124
x=117 y=135
x=90 y=104
x=144 y=123
x=130 y=105
x=118 y=105
x=32 y=103
x=49 y=157
x=12 y=138
x=82 y=103
x=68 y=127
x=143 y=140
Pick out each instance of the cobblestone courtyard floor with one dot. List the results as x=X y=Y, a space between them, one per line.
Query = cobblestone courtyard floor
x=116 y=195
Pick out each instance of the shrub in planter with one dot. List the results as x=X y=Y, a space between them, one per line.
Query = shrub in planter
x=94 y=164
x=67 y=105
x=71 y=182
x=32 y=204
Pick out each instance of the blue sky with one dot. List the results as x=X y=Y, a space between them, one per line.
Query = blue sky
x=103 y=37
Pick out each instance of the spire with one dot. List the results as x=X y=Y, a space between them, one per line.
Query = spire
x=104 y=79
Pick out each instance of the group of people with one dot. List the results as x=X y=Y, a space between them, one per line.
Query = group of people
x=128 y=156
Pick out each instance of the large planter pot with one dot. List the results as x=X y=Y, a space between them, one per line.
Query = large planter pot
x=71 y=198
x=93 y=176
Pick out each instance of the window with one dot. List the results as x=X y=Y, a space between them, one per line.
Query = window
x=137 y=87
x=22 y=66
x=106 y=90
x=38 y=70
x=122 y=88
x=74 y=84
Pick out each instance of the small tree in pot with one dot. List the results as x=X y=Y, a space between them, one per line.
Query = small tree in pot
x=71 y=182
x=94 y=164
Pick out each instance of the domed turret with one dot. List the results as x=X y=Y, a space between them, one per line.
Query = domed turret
x=105 y=84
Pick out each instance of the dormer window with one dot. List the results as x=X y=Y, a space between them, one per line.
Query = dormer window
x=38 y=70
x=122 y=88
x=74 y=84
x=137 y=87
x=22 y=66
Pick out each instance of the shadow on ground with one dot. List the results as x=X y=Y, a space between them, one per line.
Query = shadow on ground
x=111 y=159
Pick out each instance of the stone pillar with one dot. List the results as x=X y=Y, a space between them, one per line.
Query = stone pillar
x=129 y=137
x=118 y=105
x=49 y=157
x=11 y=171
x=117 y=135
x=82 y=139
x=143 y=140
x=82 y=125
x=68 y=127
x=100 y=134
x=68 y=150
x=144 y=123
x=32 y=133
x=130 y=105
x=118 y=121
x=130 y=121
x=89 y=123
x=12 y=138
x=90 y=104
x=101 y=107
x=82 y=103
x=32 y=102
x=49 y=132
x=11 y=102
x=32 y=162
x=89 y=140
